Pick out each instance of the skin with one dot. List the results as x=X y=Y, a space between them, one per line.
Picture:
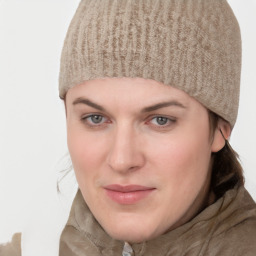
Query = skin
x=133 y=138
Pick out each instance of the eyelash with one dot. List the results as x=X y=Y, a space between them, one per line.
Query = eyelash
x=85 y=119
x=170 y=121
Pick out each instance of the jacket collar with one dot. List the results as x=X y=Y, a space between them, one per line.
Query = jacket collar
x=193 y=235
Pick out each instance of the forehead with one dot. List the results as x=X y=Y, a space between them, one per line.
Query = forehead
x=127 y=91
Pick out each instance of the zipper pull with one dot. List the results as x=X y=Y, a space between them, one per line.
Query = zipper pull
x=127 y=250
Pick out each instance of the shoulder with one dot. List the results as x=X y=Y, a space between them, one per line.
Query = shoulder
x=12 y=248
x=239 y=240
x=235 y=231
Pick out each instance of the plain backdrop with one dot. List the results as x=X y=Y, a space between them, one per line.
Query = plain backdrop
x=32 y=120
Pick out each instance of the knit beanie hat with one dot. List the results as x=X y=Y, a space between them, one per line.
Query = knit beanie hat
x=193 y=45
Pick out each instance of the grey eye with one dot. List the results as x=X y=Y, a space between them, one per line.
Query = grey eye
x=161 y=120
x=96 y=119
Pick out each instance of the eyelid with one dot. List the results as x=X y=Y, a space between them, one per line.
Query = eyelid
x=172 y=118
x=106 y=120
x=171 y=121
x=85 y=118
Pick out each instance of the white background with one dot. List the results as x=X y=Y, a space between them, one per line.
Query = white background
x=32 y=119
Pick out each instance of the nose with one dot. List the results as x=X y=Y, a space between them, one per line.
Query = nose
x=126 y=151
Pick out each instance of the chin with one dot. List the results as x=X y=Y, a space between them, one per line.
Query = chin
x=131 y=234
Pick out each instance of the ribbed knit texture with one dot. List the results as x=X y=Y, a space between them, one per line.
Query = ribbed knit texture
x=193 y=45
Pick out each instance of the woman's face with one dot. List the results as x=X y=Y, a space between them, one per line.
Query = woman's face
x=141 y=152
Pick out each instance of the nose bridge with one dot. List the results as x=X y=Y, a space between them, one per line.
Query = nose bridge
x=125 y=154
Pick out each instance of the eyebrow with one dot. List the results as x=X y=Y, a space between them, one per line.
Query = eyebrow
x=163 y=105
x=146 y=109
x=89 y=103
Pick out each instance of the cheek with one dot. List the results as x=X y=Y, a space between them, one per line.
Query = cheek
x=87 y=154
x=184 y=160
x=183 y=176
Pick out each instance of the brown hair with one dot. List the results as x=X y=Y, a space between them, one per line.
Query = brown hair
x=227 y=171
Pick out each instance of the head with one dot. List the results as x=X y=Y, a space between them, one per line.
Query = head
x=151 y=94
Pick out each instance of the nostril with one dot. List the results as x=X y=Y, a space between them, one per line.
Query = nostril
x=128 y=162
x=125 y=153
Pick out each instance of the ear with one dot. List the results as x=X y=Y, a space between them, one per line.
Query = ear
x=221 y=134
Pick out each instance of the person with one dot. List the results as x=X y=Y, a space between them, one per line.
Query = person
x=151 y=91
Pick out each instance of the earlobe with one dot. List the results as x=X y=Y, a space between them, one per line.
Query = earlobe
x=221 y=134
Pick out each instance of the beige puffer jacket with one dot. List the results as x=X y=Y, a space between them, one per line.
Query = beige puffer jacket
x=225 y=228
x=12 y=248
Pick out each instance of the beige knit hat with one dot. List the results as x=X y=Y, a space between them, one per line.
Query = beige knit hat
x=193 y=45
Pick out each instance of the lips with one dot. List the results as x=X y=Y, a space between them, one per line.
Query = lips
x=127 y=195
